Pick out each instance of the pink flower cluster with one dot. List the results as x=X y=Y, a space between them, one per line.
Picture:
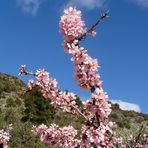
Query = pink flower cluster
x=48 y=87
x=85 y=69
x=72 y=28
x=65 y=137
x=4 y=138
x=97 y=105
x=71 y=24
x=54 y=136
x=97 y=136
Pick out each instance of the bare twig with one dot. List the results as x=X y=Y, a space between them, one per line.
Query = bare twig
x=77 y=109
x=102 y=17
x=139 y=135
x=29 y=73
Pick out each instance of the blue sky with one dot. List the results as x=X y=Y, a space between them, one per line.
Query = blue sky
x=29 y=34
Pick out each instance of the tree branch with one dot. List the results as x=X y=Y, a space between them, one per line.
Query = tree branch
x=102 y=17
x=139 y=135
x=29 y=73
x=77 y=109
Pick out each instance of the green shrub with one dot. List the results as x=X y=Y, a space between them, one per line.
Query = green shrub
x=37 y=109
x=10 y=102
x=22 y=137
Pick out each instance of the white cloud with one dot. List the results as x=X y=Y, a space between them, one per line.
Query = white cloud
x=127 y=106
x=90 y=4
x=29 y=6
x=143 y=3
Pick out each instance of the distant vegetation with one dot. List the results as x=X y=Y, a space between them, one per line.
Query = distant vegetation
x=26 y=108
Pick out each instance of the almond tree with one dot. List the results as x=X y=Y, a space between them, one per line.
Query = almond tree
x=97 y=131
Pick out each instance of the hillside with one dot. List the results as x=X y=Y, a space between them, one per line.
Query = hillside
x=25 y=108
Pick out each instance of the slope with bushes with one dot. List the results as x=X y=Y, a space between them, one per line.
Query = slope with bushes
x=25 y=108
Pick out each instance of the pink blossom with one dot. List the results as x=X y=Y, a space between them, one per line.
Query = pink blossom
x=92 y=32
x=96 y=136
x=98 y=105
x=22 y=70
x=30 y=84
x=85 y=70
x=145 y=136
x=71 y=24
x=4 y=138
x=54 y=136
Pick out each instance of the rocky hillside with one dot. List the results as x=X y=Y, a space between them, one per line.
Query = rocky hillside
x=25 y=108
x=11 y=90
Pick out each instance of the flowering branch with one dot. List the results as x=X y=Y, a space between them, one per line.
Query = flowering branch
x=54 y=136
x=86 y=68
x=46 y=92
x=22 y=70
